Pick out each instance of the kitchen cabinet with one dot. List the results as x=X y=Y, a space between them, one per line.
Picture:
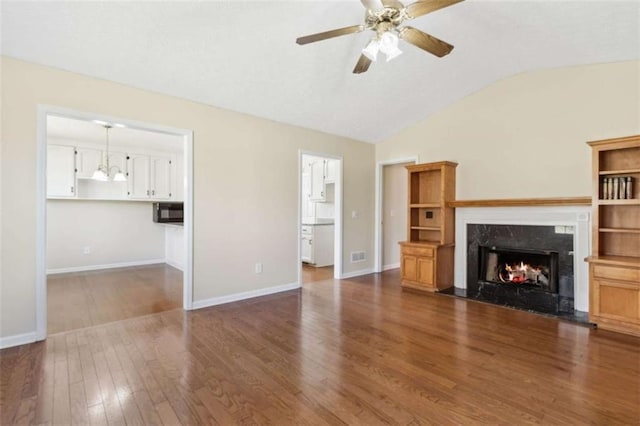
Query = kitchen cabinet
x=317 y=244
x=149 y=177
x=308 y=207
x=317 y=181
x=330 y=171
x=61 y=171
x=87 y=162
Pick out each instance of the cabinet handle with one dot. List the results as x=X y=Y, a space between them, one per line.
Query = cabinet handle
x=72 y=189
x=147 y=192
x=322 y=194
x=153 y=192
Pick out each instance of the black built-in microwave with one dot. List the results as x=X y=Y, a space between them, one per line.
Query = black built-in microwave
x=168 y=212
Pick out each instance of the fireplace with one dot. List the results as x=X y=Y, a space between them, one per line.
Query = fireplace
x=561 y=229
x=524 y=266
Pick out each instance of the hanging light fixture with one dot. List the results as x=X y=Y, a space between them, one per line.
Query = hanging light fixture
x=103 y=171
x=387 y=43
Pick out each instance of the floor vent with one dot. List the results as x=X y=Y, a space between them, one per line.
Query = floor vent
x=357 y=256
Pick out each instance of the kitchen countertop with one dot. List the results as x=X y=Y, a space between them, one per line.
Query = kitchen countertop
x=316 y=224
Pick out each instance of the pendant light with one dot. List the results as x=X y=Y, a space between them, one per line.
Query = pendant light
x=103 y=171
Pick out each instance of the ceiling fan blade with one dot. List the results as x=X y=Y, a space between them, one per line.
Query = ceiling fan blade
x=424 y=41
x=423 y=7
x=330 y=34
x=372 y=4
x=362 y=65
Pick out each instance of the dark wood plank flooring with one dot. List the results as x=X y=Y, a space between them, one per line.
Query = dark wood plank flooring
x=356 y=351
x=311 y=274
x=84 y=299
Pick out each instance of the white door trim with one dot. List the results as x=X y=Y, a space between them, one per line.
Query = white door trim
x=338 y=216
x=377 y=241
x=41 y=201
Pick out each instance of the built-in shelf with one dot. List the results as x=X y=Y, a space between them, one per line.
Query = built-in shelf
x=618 y=172
x=621 y=230
x=425 y=206
x=426 y=228
x=614 y=267
x=631 y=202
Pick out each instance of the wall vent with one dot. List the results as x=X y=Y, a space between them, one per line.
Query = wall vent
x=357 y=256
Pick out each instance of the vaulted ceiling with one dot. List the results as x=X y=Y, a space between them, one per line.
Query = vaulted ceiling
x=242 y=55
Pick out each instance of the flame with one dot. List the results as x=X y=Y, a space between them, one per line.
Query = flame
x=519 y=273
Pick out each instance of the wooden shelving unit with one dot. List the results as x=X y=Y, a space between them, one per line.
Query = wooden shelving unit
x=615 y=262
x=427 y=255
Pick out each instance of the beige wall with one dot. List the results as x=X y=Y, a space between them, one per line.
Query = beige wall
x=115 y=231
x=525 y=136
x=245 y=183
x=394 y=212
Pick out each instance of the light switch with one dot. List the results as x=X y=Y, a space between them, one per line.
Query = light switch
x=354 y=214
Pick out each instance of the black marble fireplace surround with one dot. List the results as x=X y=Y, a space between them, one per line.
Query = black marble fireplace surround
x=540 y=240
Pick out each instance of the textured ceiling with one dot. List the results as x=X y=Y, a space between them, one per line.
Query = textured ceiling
x=242 y=55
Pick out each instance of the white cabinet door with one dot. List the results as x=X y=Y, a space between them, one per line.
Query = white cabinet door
x=87 y=162
x=138 y=180
x=61 y=171
x=307 y=249
x=161 y=178
x=308 y=207
x=331 y=170
x=317 y=181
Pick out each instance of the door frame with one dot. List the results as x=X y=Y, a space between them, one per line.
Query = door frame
x=45 y=111
x=338 y=214
x=379 y=194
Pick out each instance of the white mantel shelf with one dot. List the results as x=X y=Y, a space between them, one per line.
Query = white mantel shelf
x=578 y=216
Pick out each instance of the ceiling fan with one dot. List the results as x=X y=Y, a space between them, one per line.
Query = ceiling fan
x=385 y=17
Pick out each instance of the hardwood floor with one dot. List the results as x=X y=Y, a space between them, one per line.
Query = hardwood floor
x=312 y=274
x=356 y=351
x=84 y=299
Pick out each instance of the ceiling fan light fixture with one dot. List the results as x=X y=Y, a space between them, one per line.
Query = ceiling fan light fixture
x=393 y=53
x=389 y=44
x=371 y=51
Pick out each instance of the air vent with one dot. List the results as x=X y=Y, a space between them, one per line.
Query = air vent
x=357 y=256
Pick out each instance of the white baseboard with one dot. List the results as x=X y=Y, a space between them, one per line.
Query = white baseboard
x=391 y=266
x=106 y=266
x=17 y=340
x=356 y=273
x=198 y=304
x=174 y=264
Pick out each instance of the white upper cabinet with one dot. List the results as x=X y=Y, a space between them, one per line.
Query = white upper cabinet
x=87 y=162
x=317 y=181
x=331 y=171
x=150 y=177
x=161 y=178
x=139 y=177
x=61 y=171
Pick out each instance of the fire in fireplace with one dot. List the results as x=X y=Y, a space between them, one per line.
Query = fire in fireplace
x=519 y=267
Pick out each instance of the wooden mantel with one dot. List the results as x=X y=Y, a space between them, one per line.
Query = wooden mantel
x=523 y=202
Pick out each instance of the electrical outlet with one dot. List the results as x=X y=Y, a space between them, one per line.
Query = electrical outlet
x=559 y=229
x=86 y=250
x=258 y=268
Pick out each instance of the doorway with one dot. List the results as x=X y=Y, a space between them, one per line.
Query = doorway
x=391 y=212
x=83 y=219
x=320 y=217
